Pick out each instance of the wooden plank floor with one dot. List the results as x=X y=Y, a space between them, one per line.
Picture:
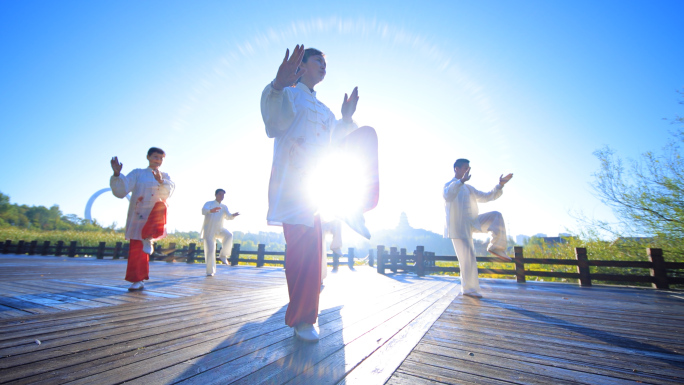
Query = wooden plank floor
x=71 y=320
x=545 y=333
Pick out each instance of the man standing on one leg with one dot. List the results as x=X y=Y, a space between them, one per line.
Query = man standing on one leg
x=146 y=220
x=214 y=213
x=462 y=220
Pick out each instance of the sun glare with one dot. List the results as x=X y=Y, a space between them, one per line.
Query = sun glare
x=336 y=185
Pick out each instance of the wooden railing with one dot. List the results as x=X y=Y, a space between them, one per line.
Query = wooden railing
x=190 y=253
x=662 y=273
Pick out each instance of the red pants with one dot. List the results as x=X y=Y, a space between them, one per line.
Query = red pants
x=138 y=268
x=303 y=271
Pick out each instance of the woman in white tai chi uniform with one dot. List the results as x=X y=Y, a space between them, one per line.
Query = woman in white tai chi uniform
x=305 y=131
x=463 y=219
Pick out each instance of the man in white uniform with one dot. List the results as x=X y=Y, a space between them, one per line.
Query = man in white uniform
x=463 y=219
x=214 y=213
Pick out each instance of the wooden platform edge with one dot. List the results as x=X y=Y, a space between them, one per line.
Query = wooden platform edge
x=381 y=365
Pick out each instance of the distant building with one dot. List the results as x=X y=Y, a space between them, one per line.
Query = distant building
x=540 y=235
x=403 y=222
x=521 y=239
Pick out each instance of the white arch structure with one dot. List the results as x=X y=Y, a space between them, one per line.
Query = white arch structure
x=89 y=205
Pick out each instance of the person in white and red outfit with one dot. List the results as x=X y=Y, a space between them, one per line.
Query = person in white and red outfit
x=146 y=220
x=214 y=213
x=305 y=130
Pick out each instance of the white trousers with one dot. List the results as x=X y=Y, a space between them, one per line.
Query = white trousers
x=491 y=223
x=226 y=238
x=335 y=228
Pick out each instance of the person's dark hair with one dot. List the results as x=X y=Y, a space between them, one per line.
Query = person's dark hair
x=219 y=190
x=460 y=162
x=155 y=150
x=311 y=52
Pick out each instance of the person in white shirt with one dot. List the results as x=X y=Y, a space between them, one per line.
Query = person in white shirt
x=146 y=220
x=305 y=130
x=214 y=213
x=463 y=219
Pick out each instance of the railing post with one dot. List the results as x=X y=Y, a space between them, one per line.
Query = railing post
x=45 y=249
x=420 y=261
x=58 y=249
x=350 y=258
x=583 y=266
x=32 y=247
x=6 y=247
x=191 y=253
x=117 y=250
x=336 y=261
x=235 y=254
x=402 y=259
x=72 y=249
x=658 y=269
x=101 y=250
x=519 y=264
x=381 y=259
x=20 y=247
x=394 y=255
x=371 y=257
x=261 y=249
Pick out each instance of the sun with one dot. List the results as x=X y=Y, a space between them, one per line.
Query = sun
x=336 y=186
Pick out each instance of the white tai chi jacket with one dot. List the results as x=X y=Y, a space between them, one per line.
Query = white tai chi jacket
x=213 y=222
x=303 y=128
x=460 y=204
x=145 y=192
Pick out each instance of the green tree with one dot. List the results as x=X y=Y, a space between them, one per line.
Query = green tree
x=646 y=195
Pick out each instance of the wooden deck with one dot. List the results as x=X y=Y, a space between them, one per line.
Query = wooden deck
x=71 y=320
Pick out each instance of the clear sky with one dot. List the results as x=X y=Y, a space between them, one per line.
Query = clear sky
x=528 y=87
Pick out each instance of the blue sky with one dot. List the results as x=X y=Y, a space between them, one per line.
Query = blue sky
x=529 y=87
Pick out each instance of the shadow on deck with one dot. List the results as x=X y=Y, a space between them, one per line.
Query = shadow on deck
x=73 y=321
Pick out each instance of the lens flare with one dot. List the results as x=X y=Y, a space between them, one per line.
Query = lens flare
x=336 y=185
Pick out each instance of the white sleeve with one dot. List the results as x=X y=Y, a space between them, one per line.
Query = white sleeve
x=277 y=110
x=123 y=184
x=227 y=214
x=167 y=187
x=206 y=208
x=451 y=189
x=495 y=193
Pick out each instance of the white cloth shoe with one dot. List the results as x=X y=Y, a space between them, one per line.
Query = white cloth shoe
x=473 y=294
x=148 y=246
x=306 y=333
x=224 y=260
x=500 y=254
x=136 y=286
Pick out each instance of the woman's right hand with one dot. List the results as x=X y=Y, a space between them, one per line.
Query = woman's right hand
x=287 y=72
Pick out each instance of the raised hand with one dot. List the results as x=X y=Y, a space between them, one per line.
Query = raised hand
x=116 y=166
x=504 y=179
x=158 y=175
x=235 y=214
x=466 y=176
x=287 y=72
x=349 y=105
